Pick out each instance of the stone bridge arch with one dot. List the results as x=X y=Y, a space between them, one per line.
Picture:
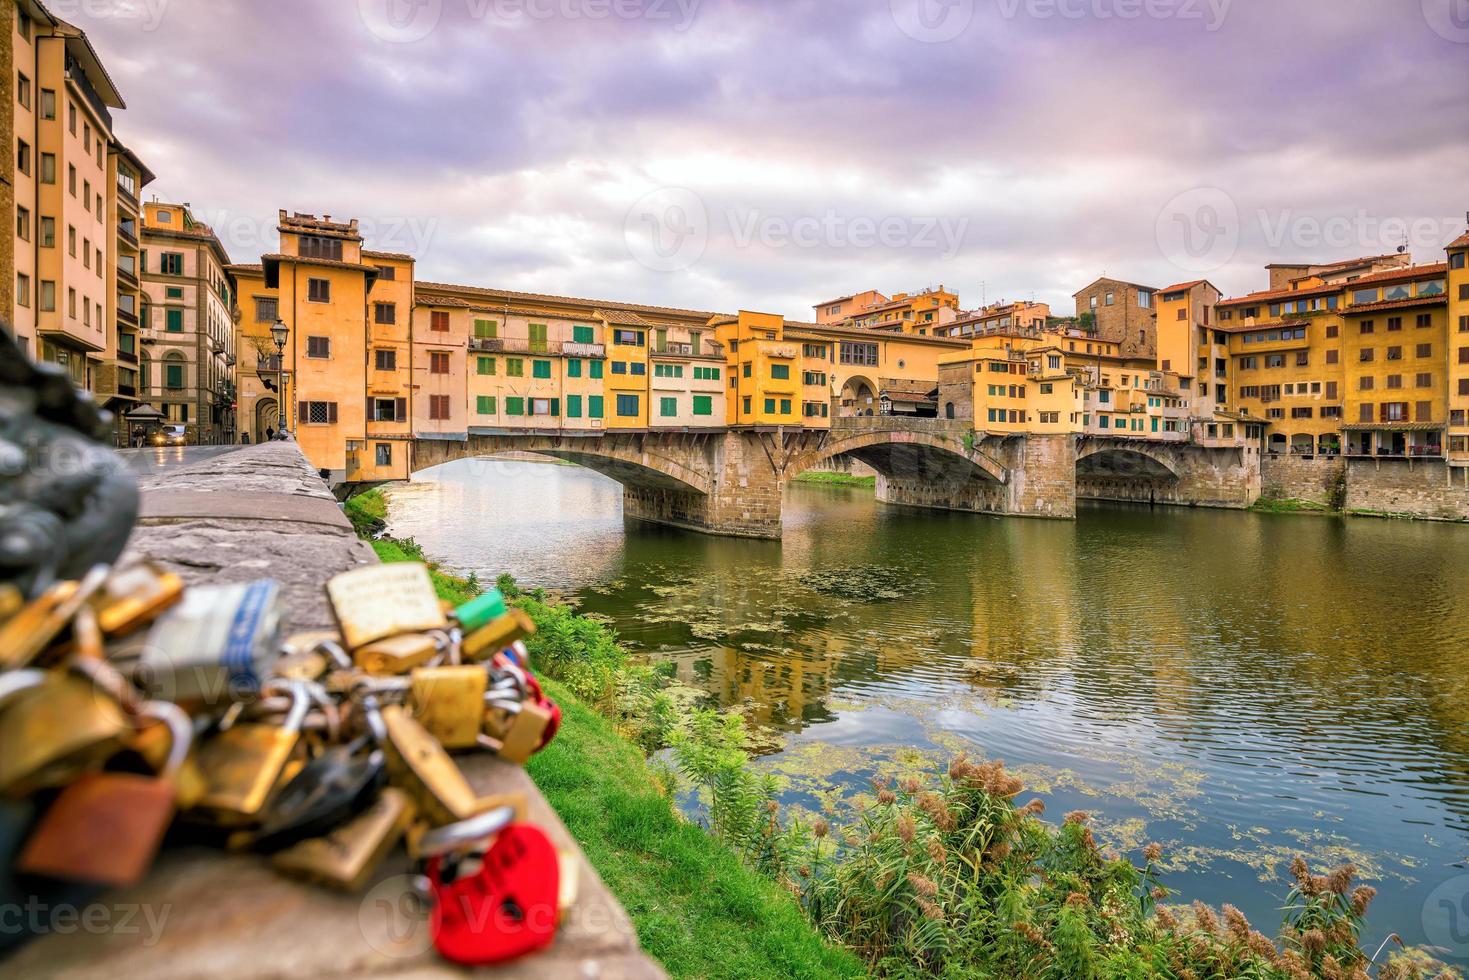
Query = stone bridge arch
x=1124 y=457
x=632 y=461
x=901 y=449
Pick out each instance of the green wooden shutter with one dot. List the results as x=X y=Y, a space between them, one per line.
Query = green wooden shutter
x=573 y=368
x=596 y=367
x=540 y=369
x=594 y=405
x=703 y=405
x=582 y=335
x=573 y=406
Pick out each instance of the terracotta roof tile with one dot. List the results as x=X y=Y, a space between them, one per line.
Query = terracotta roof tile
x=1407 y=272
x=368 y=253
x=276 y=257
x=571 y=300
x=1461 y=242
x=1395 y=304
x=625 y=317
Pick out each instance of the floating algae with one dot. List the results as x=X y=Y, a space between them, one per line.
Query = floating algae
x=864 y=583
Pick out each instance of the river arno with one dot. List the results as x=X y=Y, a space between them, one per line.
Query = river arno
x=1240 y=687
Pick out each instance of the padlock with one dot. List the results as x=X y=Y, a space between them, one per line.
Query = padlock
x=418 y=764
x=243 y=766
x=135 y=597
x=327 y=792
x=497 y=634
x=308 y=665
x=396 y=654
x=219 y=643
x=106 y=827
x=506 y=908
x=17 y=891
x=347 y=857
x=378 y=601
x=524 y=735
x=449 y=702
x=468 y=835
x=483 y=608
x=27 y=633
x=55 y=726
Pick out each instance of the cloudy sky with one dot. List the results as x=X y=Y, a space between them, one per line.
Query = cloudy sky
x=769 y=154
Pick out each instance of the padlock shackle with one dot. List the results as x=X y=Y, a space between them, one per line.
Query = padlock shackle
x=473 y=830
x=180 y=726
x=16 y=682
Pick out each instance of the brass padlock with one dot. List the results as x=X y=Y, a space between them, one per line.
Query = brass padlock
x=497 y=634
x=378 y=601
x=27 y=633
x=243 y=765
x=522 y=736
x=396 y=654
x=450 y=702
x=418 y=764
x=55 y=725
x=106 y=826
x=348 y=856
x=134 y=597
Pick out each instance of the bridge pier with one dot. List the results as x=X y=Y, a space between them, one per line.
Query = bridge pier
x=743 y=500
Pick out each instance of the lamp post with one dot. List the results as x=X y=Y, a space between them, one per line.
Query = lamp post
x=278 y=333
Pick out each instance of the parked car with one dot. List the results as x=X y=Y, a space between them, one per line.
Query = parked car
x=169 y=435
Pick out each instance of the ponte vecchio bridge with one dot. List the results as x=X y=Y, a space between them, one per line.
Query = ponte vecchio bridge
x=729 y=481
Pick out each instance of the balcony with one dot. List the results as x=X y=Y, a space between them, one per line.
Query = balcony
x=126 y=230
x=127 y=188
x=573 y=349
x=127 y=391
x=127 y=356
x=515 y=345
x=126 y=276
x=126 y=316
x=77 y=75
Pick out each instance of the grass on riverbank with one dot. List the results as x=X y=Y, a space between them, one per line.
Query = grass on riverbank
x=824 y=478
x=697 y=907
x=1289 y=505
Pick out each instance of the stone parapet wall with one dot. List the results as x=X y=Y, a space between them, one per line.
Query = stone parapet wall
x=1428 y=489
x=1314 y=479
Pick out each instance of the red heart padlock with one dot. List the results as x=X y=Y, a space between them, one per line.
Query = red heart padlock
x=508 y=908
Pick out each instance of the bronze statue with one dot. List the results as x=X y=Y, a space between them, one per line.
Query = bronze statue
x=67 y=501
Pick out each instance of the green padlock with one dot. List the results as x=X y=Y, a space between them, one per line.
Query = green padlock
x=480 y=610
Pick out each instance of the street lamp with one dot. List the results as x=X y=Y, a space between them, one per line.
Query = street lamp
x=278 y=333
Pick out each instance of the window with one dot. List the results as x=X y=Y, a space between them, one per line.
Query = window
x=573 y=406
x=23 y=156
x=320 y=247
x=385 y=360
x=545 y=406
x=1365 y=383
x=438 y=362
x=1274 y=360
x=780 y=372
x=703 y=405
x=594 y=406
x=745 y=369
x=484 y=404
x=637 y=368
x=1424 y=320
x=318 y=413
x=48 y=299
x=384 y=313
x=1423 y=380
x=537 y=333
x=1333 y=356
x=318 y=290
x=1145 y=299
x=540 y=369
x=595 y=369
x=1394 y=353
x=573 y=368
x=859 y=353
x=23 y=223
x=71 y=240
x=23 y=90
x=71 y=179
x=173 y=321
x=627 y=406
x=173 y=375
x=1424 y=350
x=1365 y=355
x=785 y=406
x=484 y=329
x=1394 y=323
x=386 y=272
x=484 y=365
x=438 y=408
x=745 y=405
x=1394 y=381
x=667 y=407
x=1109 y=299
x=514 y=406
x=174 y=292
x=770 y=406
x=388 y=409
x=48 y=232
x=1456 y=261
x=1366 y=326
x=582 y=335
x=628 y=338
x=22 y=289
x=384 y=452
x=439 y=320
x=265 y=309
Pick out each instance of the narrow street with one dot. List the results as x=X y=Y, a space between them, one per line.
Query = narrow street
x=151 y=460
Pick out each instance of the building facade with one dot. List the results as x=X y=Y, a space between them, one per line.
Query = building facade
x=186 y=320
x=1120 y=312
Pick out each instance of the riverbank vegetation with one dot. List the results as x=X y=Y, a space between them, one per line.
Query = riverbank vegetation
x=830 y=479
x=933 y=874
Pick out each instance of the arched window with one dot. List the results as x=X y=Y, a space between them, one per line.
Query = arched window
x=948 y=410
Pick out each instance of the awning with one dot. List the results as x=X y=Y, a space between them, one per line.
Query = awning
x=1394 y=427
x=143 y=413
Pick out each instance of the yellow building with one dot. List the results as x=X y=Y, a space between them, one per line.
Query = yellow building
x=119 y=382
x=921 y=313
x=187 y=324
x=63 y=175
x=1457 y=350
